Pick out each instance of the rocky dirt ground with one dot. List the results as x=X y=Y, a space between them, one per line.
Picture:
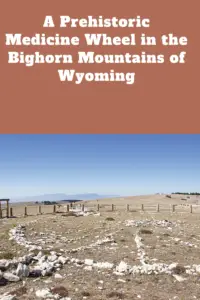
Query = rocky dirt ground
x=106 y=255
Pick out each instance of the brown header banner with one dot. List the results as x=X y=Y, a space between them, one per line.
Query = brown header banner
x=99 y=66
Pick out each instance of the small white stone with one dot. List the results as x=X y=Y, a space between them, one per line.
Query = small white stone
x=88 y=268
x=58 y=276
x=122 y=267
x=101 y=281
x=8 y=297
x=172 y=266
x=89 y=262
x=44 y=294
x=179 y=278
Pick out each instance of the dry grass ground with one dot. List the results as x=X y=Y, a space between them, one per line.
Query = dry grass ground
x=76 y=237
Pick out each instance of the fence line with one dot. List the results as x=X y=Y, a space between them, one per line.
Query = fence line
x=15 y=211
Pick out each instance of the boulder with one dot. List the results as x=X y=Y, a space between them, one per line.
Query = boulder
x=3 y=282
x=4 y=264
x=22 y=270
x=11 y=277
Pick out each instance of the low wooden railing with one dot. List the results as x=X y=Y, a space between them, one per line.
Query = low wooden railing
x=16 y=210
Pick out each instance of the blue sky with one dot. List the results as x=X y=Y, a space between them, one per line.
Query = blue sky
x=105 y=164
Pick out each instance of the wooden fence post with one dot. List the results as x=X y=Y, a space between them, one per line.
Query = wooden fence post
x=112 y=207
x=8 y=209
x=127 y=207
x=25 y=211
x=98 y=207
x=11 y=212
x=83 y=208
x=54 y=209
x=39 y=210
x=0 y=211
x=173 y=208
x=191 y=209
x=67 y=207
x=142 y=207
x=158 y=208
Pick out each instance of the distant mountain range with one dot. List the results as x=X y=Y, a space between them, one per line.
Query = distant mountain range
x=60 y=196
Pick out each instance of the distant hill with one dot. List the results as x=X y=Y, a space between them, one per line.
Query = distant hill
x=70 y=200
x=192 y=194
x=61 y=196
